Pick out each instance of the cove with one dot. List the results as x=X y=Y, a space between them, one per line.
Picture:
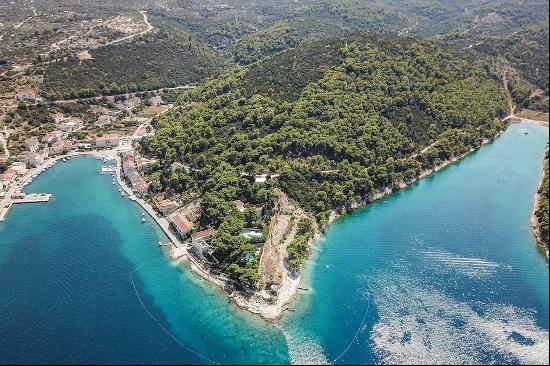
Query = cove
x=444 y=271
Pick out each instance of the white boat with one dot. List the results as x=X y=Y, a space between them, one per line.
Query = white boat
x=143 y=219
x=160 y=244
x=120 y=189
x=113 y=183
x=142 y=214
x=122 y=194
x=64 y=159
x=68 y=158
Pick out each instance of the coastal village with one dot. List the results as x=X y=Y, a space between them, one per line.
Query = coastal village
x=27 y=152
x=106 y=138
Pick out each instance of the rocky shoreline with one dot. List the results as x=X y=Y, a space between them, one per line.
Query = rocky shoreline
x=270 y=312
x=542 y=242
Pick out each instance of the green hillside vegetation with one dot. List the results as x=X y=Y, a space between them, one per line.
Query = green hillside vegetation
x=542 y=211
x=162 y=59
x=470 y=20
x=526 y=50
x=347 y=130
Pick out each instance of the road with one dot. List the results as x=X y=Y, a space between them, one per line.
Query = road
x=149 y=28
x=62 y=101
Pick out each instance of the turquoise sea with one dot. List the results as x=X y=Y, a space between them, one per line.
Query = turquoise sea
x=446 y=271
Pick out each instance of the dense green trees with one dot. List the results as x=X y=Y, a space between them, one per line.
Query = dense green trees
x=542 y=211
x=358 y=122
x=156 y=60
x=298 y=248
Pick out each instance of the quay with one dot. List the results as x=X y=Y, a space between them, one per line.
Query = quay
x=31 y=198
x=19 y=198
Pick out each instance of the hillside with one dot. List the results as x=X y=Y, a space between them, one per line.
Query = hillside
x=160 y=59
x=541 y=209
x=372 y=113
x=526 y=50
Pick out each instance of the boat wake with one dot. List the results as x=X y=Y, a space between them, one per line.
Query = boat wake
x=470 y=267
x=420 y=325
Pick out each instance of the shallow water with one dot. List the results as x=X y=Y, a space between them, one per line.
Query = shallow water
x=445 y=271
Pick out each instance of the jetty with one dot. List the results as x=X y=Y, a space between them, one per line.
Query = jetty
x=20 y=198
x=30 y=198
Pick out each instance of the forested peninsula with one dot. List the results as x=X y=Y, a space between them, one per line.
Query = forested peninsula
x=311 y=131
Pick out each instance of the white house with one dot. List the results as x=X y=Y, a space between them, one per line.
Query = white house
x=32 y=144
x=199 y=241
x=261 y=179
x=70 y=124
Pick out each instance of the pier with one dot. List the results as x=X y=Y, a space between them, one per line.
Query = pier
x=31 y=198
x=20 y=198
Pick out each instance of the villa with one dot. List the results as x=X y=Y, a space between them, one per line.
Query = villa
x=261 y=179
x=166 y=206
x=31 y=144
x=252 y=234
x=70 y=124
x=181 y=225
x=199 y=241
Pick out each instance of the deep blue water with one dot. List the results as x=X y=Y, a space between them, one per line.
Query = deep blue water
x=445 y=271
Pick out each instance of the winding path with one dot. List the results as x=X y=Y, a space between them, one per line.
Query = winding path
x=149 y=28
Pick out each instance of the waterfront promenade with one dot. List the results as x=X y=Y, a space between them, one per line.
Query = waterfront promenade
x=178 y=248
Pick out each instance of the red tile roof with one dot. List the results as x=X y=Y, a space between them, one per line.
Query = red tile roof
x=8 y=174
x=203 y=234
x=182 y=224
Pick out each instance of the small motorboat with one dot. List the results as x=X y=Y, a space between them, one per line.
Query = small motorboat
x=120 y=189
x=143 y=219
x=160 y=244
x=113 y=183
x=122 y=194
